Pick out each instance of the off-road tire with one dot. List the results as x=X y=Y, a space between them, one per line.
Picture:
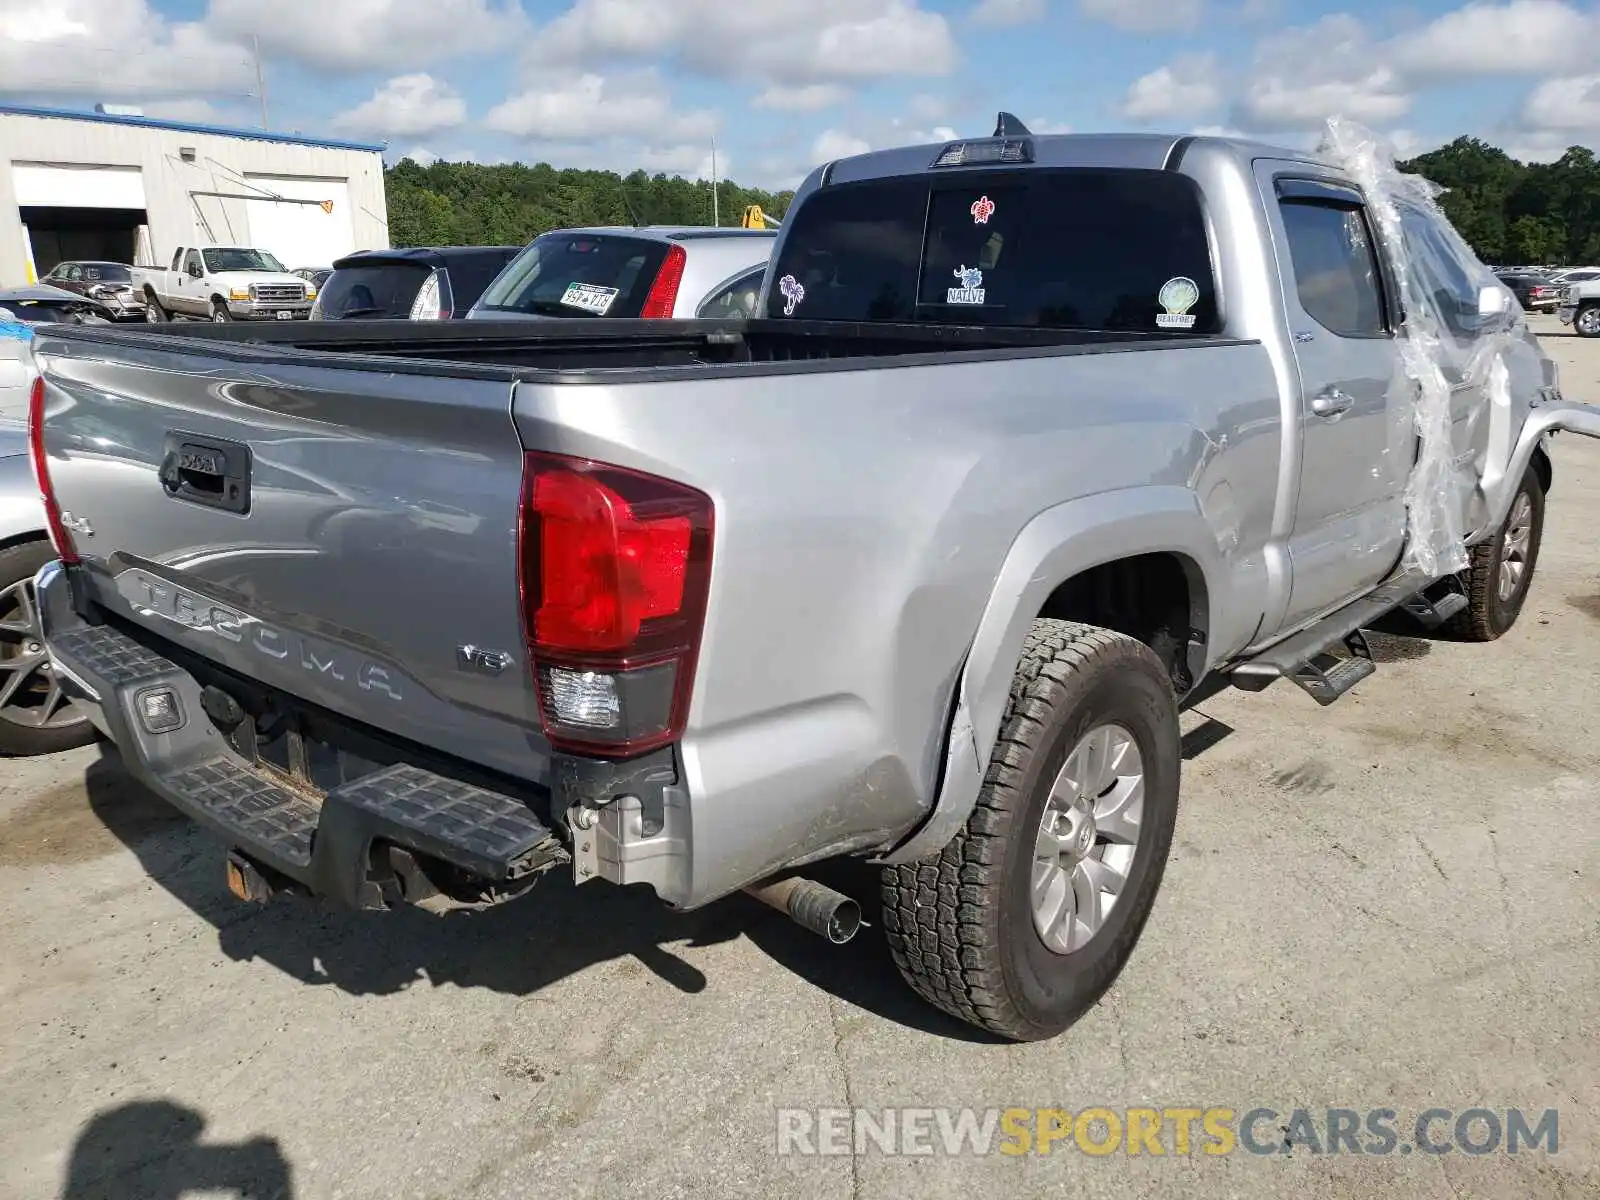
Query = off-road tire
x=960 y=925
x=1487 y=616
x=18 y=563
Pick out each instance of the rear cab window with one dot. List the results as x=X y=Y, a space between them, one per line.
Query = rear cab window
x=373 y=290
x=573 y=275
x=1080 y=248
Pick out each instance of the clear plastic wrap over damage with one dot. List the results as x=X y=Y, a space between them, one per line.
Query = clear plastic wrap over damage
x=1442 y=348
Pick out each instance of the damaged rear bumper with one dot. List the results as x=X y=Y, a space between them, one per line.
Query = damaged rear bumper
x=339 y=844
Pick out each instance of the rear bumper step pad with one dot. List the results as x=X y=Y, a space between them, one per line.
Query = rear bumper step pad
x=326 y=845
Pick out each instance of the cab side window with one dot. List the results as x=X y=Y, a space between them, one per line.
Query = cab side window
x=1336 y=267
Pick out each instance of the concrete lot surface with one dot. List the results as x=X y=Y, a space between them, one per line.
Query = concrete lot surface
x=1393 y=903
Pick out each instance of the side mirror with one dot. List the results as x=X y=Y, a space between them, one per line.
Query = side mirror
x=1492 y=301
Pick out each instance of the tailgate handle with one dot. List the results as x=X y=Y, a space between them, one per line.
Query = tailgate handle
x=206 y=471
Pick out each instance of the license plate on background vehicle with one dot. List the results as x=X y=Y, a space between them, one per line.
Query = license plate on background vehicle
x=285 y=315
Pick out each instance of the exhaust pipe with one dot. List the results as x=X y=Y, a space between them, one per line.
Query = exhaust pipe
x=822 y=910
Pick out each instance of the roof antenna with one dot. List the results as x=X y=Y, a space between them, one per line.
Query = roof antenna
x=1007 y=125
x=633 y=216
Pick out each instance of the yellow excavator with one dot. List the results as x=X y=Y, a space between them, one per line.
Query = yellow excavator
x=754 y=218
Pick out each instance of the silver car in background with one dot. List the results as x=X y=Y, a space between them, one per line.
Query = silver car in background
x=651 y=272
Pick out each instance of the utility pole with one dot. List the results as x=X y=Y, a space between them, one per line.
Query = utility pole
x=261 y=78
x=716 y=215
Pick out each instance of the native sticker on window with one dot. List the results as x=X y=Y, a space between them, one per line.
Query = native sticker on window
x=1177 y=296
x=590 y=297
x=971 y=289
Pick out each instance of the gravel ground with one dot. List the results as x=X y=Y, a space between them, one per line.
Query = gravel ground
x=1387 y=904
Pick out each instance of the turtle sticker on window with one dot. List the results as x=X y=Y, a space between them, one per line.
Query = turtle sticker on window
x=1178 y=295
x=982 y=209
x=971 y=290
x=793 y=293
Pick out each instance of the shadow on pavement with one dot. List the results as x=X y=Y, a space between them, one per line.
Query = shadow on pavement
x=543 y=936
x=151 y=1150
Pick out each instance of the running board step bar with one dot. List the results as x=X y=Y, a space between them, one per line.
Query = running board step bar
x=1309 y=657
x=1327 y=676
x=1433 y=607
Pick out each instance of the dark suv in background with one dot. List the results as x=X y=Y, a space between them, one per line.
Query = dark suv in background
x=425 y=283
x=1534 y=291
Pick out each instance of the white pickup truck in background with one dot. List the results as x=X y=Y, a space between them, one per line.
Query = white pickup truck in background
x=223 y=283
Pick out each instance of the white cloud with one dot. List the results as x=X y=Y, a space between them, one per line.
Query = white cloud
x=1543 y=146
x=361 y=35
x=1046 y=125
x=420 y=155
x=406 y=106
x=691 y=160
x=812 y=97
x=836 y=143
x=1007 y=12
x=1331 y=68
x=777 y=42
x=114 y=51
x=1187 y=87
x=588 y=106
x=192 y=110
x=1133 y=17
x=1522 y=37
x=1570 y=104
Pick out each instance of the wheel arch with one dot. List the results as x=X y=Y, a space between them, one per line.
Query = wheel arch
x=1066 y=563
x=1543 y=468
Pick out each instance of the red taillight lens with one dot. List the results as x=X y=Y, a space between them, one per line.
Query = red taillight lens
x=59 y=537
x=616 y=569
x=658 y=305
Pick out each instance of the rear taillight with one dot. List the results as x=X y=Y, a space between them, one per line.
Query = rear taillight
x=616 y=568
x=663 y=297
x=429 y=304
x=59 y=537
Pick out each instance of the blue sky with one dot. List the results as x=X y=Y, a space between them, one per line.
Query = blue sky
x=779 y=85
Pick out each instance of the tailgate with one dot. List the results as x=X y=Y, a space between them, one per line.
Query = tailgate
x=344 y=536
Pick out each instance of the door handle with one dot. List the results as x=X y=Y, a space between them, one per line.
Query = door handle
x=1332 y=403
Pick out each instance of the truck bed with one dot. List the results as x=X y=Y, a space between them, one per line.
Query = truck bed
x=629 y=351
x=868 y=486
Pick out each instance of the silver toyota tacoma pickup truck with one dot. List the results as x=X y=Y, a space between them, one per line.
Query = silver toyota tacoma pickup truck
x=1033 y=441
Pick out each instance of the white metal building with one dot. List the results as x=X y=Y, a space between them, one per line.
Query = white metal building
x=92 y=185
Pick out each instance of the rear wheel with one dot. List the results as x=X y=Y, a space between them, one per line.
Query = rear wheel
x=1028 y=915
x=1587 y=321
x=1500 y=569
x=153 y=312
x=35 y=716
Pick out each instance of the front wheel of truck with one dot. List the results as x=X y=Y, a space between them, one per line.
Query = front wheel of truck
x=1027 y=915
x=1500 y=569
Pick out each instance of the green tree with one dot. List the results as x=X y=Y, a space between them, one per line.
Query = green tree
x=506 y=204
